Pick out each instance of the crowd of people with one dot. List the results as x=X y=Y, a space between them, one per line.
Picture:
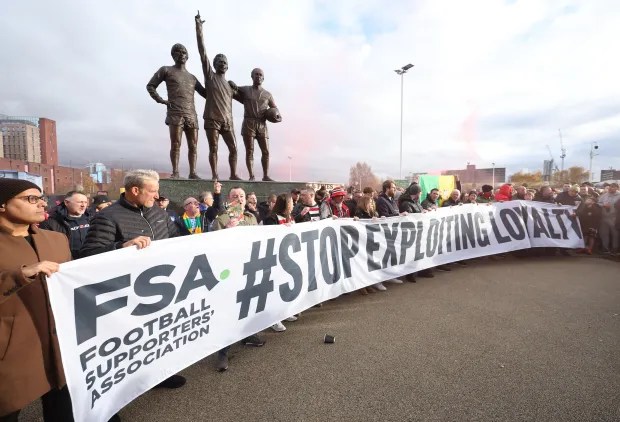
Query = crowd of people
x=35 y=239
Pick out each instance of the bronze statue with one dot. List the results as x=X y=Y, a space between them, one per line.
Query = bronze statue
x=218 y=109
x=259 y=107
x=181 y=115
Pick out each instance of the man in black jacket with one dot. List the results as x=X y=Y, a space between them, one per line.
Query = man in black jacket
x=132 y=221
x=71 y=219
x=386 y=204
x=387 y=207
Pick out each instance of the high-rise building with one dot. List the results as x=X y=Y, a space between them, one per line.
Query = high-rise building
x=20 y=138
x=99 y=173
x=49 y=144
x=1 y=145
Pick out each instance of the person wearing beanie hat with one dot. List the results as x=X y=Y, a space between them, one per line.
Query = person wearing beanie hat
x=334 y=207
x=30 y=363
x=486 y=195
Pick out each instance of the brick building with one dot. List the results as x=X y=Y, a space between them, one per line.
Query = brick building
x=56 y=179
x=475 y=178
x=49 y=143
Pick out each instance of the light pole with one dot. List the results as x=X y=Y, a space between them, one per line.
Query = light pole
x=402 y=72
x=593 y=146
x=290 y=167
x=493 y=183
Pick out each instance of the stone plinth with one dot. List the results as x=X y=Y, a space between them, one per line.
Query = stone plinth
x=179 y=189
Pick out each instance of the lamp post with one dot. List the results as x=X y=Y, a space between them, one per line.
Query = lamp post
x=493 y=183
x=402 y=72
x=593 y=146
x=290 y=167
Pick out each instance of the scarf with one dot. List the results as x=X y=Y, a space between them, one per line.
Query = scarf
x=192 y=223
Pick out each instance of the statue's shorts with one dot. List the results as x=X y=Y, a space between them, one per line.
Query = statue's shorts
x=218 y=125
x=187 y=121
x=254 y=127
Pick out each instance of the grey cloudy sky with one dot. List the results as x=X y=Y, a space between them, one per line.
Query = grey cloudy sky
x=493 y=80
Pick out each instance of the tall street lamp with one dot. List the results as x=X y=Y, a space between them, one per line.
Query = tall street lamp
x=290 y=167
x=593 y=147
x=402 y=72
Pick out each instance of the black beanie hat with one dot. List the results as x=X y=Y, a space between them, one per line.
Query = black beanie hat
x=10 y=188
x=487 y=188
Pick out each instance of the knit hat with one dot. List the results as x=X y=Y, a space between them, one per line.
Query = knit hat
x=487 y=188
x=10 y=188
x=338 y=191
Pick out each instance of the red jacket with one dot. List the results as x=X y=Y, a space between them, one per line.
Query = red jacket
x=504 y=193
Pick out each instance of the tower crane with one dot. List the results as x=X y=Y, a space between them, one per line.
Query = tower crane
x=553 y=165
x=563 y=151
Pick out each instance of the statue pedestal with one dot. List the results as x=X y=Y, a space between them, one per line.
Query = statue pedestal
x=178 y=189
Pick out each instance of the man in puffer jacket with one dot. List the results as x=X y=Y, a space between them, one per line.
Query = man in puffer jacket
x=132 y=221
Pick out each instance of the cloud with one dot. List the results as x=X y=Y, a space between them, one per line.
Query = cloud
x=493 y=80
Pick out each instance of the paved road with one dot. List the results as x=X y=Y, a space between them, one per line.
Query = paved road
x=534 y=339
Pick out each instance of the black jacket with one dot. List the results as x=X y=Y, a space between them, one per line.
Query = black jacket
x=363 y=215
x=589 y=217
x=271 y=220
x=450 y=202
x=298 y=208
x=263 y=211
x=75 y=228
x=564 y=198
x=121 y=222
x=409 y=205
x=352 y=205
x=386 y=207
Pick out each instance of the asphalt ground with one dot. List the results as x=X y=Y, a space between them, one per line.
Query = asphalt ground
x=530 y=339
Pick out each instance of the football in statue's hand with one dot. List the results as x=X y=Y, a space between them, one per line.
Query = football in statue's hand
x=272 y=115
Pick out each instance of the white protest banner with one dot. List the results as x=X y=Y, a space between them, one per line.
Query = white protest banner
x=128 y=319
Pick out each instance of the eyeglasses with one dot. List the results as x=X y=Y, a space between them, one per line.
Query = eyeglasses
x=190 y=203
x=33 y=199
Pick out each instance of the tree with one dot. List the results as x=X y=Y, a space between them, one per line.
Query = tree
x=575 y=174
x=361 y=176
x=531 y=179
x=88 y=185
